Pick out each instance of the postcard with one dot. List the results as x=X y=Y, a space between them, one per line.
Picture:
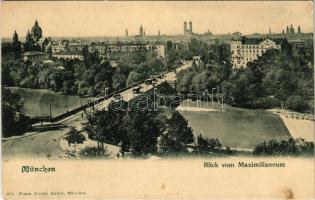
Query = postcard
x=157 y=100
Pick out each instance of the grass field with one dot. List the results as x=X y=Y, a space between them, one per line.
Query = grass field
x=236 y=127
x=36 y=101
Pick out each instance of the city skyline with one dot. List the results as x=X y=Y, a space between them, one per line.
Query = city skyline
x=102 y=18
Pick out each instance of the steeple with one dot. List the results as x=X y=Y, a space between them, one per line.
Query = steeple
x=28 y=34
x=126 y=33
x=141 y=31
x=190 y=26
x=299 y=29
x=15 y=37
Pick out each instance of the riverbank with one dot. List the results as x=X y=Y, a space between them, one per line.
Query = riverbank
x=299 y=125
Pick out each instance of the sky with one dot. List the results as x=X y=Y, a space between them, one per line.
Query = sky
x=100 y=18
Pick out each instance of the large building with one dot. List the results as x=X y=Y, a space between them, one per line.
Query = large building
x=35 y=56
x=60 y=46
x=246 y=51
x=105 y=49
x=69 y=56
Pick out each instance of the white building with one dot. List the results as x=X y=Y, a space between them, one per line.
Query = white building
x=69 y=56
x=159 y=49
x=60 y=46
x=242 y=53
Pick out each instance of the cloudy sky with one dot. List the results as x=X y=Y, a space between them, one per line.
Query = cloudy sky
x=112 y=18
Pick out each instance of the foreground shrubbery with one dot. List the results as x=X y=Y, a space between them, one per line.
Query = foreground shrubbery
x=208 y=145
x=73 y=136
x=93 y=152
x=284 y=148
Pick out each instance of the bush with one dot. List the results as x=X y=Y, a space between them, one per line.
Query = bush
x=93 y=152
x=296 y=103
x=14 y=124
x=284 y=148
x=205 y=145
x=266 y=103
x=73 y=136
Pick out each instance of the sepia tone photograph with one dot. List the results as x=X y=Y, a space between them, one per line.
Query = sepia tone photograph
x=211 y=90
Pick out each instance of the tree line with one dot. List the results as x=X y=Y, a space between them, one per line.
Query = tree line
x=279 y=78
x=91 y=77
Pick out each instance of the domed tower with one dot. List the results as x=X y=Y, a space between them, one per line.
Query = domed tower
x=36 y=31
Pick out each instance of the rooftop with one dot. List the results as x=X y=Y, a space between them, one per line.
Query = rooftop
x=34 y=53
x=68 y=53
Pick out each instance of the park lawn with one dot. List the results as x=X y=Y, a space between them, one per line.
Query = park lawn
x=236 y=127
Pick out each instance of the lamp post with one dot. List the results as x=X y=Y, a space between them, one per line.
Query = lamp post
x=81 y=95
x=50 y=103
x=205 y=93
x=212 y=98
x=105 y=91
x=222 y=102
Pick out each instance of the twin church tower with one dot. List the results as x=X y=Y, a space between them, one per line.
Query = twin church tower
x=188 y=30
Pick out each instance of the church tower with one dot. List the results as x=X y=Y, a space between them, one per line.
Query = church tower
x=15 y=37
x=299 y=29
x=185 y=28
x=126 y=33
x=141 y=31
x=190 y=27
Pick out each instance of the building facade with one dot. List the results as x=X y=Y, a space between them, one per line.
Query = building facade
x=60 y=46
x=35 y=56
x=106 y=48
x=69 y=56
x=244 y=52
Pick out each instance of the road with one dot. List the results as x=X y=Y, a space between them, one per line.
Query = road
x=47 y=143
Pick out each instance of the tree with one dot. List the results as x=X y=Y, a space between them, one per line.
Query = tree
x=177 y=135
x=142 y=129
x=29 y=42
x=133 y=78
x=73 y=136
x=105 y=126
x=131 y=128
x=16 y=45
x=296 y=103
x=13 y=122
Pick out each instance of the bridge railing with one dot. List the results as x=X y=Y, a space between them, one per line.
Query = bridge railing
x=93 y=103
